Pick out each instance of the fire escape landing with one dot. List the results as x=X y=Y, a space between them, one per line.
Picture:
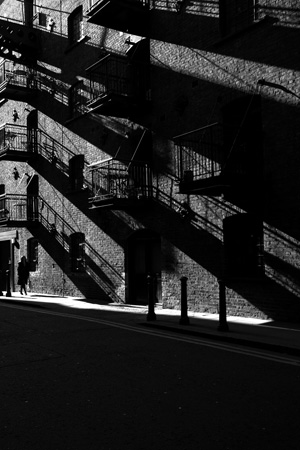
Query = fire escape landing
x=218 y=159
x=17 y=82
x=119 y=85
x=17 y=143
x=18 y=210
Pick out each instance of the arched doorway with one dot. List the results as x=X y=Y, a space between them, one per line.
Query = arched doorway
x=7 y=258
x=143 y=259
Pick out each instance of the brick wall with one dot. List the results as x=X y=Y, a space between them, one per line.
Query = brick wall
x=195 y=72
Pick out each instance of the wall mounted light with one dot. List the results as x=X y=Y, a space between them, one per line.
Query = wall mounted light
x=16 y=242
x=51 y=24
x=15 y=115
x=16 y=174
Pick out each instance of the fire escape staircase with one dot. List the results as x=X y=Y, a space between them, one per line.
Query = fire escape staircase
x=110 y=183
x=42 y=152
x=121 y=184
x=18 y=210
x=23 y=82
x=17 y=143
x=17 y=81
x=204 y=165
x=56 y=232
x=119 y=84
x=130 y=16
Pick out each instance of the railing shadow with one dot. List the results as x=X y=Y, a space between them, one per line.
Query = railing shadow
x=182 y=16
x=98 y=270
x=203 y=243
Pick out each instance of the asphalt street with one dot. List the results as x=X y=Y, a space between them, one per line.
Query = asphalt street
x=94 y=380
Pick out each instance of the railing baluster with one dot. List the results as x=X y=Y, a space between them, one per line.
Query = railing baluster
x=120 y=179
x=199 y=151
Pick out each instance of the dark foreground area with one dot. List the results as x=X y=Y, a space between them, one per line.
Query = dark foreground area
x=102 y=382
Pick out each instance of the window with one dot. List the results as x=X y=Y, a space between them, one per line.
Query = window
x=243 y=246
x=42 y=19
x=77 y=253
x=76 y=166
x=75 y=25
x=32 y=254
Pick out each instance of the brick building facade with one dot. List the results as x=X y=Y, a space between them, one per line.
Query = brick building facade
x=153 y=138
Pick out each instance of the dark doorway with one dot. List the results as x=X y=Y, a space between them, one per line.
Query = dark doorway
x=5 y=262
x=32 y=131
x=33 y=197
x=144 y=259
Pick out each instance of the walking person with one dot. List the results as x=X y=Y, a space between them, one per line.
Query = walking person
x=23 y=274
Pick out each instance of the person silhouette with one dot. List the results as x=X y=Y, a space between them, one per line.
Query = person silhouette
x=23 y=274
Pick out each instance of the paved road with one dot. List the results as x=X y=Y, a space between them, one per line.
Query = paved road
x=98 y=381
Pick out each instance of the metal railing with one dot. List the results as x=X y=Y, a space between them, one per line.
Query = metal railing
x=210 y=151
x=17 y=138
x=95 y=265
x=16 y=207
x=121 y=180
x=115 y=75
x=54 y=152
x=198 y=154
x=17 y=75
x=111 y=75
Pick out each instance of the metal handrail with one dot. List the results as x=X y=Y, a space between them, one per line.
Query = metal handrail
x=202 y=153
x=121 y=179
x=16 y=74
x=205 y=127
x=17 y=138
x=198 y=153
x=18 y=207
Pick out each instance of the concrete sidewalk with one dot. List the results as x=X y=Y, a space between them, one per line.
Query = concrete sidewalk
x=255 y=333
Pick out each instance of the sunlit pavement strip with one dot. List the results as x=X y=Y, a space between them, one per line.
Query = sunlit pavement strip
x=167 y=335
x=78 y=303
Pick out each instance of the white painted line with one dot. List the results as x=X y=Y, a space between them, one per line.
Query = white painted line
x=233 y=348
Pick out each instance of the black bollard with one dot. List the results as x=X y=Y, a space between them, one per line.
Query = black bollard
x=8 y=291
x=1 y=281
x=151 y=313
x=184 y=320
x=223 y=326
